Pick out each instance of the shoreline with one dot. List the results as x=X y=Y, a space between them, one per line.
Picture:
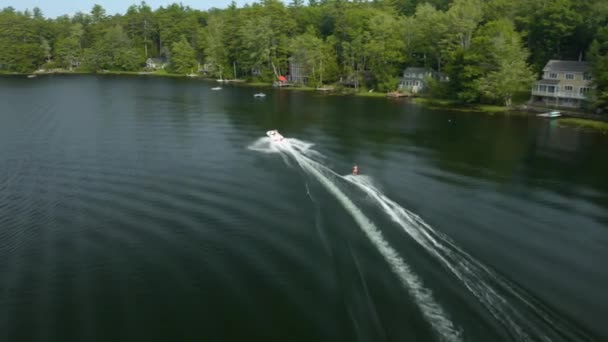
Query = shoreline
x=577 y=120
x=584 y=124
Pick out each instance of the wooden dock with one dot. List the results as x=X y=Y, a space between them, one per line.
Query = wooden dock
x=396 y=94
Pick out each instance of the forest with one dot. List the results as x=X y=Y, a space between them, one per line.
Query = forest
x=489 y=49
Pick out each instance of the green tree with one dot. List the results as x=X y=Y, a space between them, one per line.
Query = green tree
x=259 y=44
x=98 y=14
x=317 y=57
x=174 y=22
x=433 y=25
x=463 y=18
x=68 y=49
x=140 y=26
x=215 y=51
x=113 y=51
x=22 y=50
x=183 y=57
x=509 y=72
x=550 y=25
x=598 y=53
x=384 y=49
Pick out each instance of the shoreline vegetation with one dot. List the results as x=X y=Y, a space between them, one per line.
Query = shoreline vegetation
x=423 y=101
x=584 y=124
x=469 y=52
x=432 y=103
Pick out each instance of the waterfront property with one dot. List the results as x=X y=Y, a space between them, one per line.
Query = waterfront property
x=156 y=63
x=415 y=79
x=206 y=68
x=563 y=84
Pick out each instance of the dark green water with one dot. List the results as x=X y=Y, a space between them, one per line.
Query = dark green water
x=132 y=210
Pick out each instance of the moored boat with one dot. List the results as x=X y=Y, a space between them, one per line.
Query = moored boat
x=551 y=114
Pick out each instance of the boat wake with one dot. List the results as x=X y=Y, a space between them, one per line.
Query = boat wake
x=300 y=151
x=522 y=317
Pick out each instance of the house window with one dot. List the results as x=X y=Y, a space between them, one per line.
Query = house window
x=587 y=77
x=569 y=76
x=551 y=89
x=568 y=88
x=553 y=75
x=542 y=88
x=584 y=90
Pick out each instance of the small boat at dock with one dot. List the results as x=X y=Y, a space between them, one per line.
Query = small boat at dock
x=32 y=76
x=216 y=88
x=551 y=114
x=259 y=95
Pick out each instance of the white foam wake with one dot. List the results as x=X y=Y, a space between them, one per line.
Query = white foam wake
x=432 y=311
x=471 y=273
x=523 y=318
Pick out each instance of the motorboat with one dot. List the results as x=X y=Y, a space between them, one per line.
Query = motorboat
x=275 y=135
x=551 y=114
x=216 y=88
x=32 y=76
x=259 y=95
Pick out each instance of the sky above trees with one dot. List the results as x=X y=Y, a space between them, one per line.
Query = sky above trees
x=55 y=8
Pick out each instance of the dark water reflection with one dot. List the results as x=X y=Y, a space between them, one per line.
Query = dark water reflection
x=130 y=209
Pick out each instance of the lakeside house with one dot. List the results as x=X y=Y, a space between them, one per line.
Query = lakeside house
x=415 y=79
x=156 y=63
x=206 y=68
x=563 y=84
x=256 y=71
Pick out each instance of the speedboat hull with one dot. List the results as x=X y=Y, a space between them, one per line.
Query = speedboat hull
x=275 y=135
x=552 y=114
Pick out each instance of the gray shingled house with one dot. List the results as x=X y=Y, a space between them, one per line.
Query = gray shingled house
x=564 y=84
x=414 y=79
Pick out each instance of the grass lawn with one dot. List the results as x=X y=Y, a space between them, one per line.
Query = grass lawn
x=372 y=94
x=584 y=123
x=456 y=106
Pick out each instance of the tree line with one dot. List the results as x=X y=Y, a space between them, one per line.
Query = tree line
x=489 y=49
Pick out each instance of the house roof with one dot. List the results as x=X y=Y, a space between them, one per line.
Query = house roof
x=548 y=82
x=572 y=66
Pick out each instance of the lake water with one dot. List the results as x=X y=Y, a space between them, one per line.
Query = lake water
x=149 y=209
